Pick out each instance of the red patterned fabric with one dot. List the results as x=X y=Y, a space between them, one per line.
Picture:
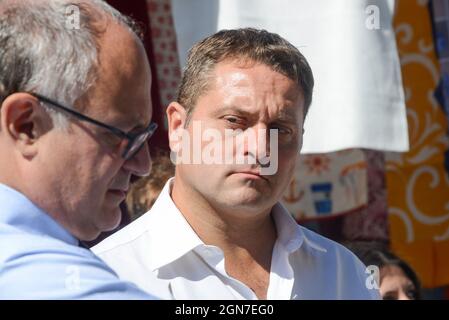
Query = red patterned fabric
x=138 y=10
x=165 y=49
x=371 y=223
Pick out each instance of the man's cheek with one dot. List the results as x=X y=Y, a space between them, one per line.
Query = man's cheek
x=287 y=162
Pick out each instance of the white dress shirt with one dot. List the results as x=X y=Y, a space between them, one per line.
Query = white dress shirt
x=162 y=254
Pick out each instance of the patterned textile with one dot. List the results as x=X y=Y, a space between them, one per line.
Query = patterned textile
x=417 y=183
x=440 y=17
x=138 y=10
x=370 y=222
x=440 y=11
x=366 y=179
x=328 y=184
x=165 y=49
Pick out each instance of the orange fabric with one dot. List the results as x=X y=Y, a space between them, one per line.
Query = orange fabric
x=417 y=183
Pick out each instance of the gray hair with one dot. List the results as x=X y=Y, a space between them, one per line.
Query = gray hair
x=39 y=53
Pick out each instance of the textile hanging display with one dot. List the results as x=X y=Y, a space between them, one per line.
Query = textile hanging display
x=417 y=182
x=163 y=37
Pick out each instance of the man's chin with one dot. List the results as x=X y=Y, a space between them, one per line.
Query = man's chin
x=111 y=219
x=251 y=189
x=247 y=197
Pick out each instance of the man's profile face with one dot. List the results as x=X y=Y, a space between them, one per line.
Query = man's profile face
x=85 y=162
x=243 y=99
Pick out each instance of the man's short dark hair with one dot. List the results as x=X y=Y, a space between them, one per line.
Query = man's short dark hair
x=247 y=45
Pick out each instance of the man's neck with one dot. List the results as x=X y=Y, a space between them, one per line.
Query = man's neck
x=217 y=227
x=247 y=242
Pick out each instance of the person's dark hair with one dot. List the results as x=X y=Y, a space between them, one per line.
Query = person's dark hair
x=245 y=45
x=373 y=253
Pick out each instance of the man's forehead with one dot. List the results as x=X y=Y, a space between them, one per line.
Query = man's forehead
x=134 y=117
x=120 y=109
x=123 y=88
x=237 y=85
x=242 y=76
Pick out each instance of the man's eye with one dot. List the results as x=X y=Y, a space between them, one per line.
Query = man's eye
x=233 y=121
x=281 y=129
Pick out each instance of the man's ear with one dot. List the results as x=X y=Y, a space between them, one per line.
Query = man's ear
x=20 y=115
x=176 y=117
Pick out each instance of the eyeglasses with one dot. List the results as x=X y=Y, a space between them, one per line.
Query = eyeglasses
x=135 y=140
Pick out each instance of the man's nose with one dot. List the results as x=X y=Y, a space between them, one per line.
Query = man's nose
x=262 y=140
x=140 y=163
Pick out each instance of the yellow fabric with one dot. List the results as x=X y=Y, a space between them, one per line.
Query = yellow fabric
x=417 y=183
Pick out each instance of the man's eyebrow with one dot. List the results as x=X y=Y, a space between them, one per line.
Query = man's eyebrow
x=286 y=116
x=232 y=108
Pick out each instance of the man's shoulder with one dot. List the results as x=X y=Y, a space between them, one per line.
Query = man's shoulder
x=330 y=250
x=22 y=243
x=37 y=266
x=311 y=242
x=322 y=241
x=329 y=261
x=28 y=252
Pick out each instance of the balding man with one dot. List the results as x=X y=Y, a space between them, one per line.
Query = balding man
x=75 y=113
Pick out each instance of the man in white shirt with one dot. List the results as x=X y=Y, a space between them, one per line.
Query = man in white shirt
x=217 y=231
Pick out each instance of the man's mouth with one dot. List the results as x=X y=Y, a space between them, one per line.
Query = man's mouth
x=250 y=174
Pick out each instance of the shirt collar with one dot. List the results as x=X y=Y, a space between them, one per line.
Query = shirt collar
x=19 y=212
x=290 y=234
x=175 y=237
